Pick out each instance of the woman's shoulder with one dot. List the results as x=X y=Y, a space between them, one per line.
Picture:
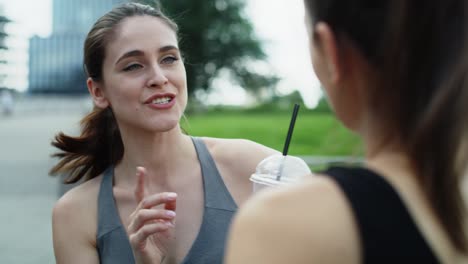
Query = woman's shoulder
x=237 y=150
x=74 y=224
x=80 y=195
x=238 y=143
x=78 y=206
x=313 y=212
x=315 y=199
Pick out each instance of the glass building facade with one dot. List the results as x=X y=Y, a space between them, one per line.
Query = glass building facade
x=55 y=63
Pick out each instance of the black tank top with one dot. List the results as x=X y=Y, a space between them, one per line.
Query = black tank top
x=387 y=231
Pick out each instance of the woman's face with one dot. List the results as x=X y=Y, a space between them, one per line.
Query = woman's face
x=144 y=79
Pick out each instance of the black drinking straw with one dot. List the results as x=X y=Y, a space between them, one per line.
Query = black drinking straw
x=291 y=128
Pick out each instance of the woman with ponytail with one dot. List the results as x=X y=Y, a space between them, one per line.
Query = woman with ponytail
x=148 y=193
x=395 y=72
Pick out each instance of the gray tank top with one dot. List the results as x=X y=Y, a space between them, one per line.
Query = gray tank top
x=112 y=240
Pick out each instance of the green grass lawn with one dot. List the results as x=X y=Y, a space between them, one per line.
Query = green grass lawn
x=314 y=133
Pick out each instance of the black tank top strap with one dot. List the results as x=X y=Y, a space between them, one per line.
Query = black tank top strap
x=387 y=231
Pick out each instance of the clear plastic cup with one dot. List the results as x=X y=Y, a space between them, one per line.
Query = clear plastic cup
x=278 y=170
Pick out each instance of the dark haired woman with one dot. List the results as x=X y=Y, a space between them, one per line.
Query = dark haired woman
x=395 y=72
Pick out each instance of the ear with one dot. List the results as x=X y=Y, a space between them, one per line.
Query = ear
x=96 y=91
x=327 y=43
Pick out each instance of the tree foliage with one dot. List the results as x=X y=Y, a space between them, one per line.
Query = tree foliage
x=323 y=105
x=215 y=36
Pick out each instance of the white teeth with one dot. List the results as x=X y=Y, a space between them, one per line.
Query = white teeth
x=161 y=100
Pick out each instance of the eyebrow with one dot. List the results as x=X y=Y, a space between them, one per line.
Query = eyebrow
x=137 y=53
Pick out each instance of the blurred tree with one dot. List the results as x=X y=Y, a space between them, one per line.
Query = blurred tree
x=323 y=106
x=286 y=102
x=3 y=47
x=280 y=103
x=3 y=21
x=215 y=36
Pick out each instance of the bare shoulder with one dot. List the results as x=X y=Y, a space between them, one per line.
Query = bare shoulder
x=232 y=152
x=78 y=200
x=78 y=209
x=236 y=160
x=306 y=223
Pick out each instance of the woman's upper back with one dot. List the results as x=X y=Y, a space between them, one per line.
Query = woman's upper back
x=387 y=231
x=355 y=216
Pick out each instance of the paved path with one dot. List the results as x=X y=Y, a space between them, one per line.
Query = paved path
x=27 y=193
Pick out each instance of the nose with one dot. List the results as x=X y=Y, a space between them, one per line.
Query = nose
x=157 y=77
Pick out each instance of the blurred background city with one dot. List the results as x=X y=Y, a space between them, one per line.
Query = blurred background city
x=247 y=64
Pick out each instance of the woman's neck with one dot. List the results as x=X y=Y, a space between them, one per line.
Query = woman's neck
x=390 y=163
x=385 y=154
x=160 y=153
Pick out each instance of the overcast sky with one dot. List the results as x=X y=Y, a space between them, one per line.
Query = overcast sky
x=279 y=23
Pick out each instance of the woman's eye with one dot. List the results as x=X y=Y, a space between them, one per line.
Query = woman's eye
x=132 y=67
x=169 y=60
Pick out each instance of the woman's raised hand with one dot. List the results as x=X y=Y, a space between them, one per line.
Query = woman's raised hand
x=150 y=226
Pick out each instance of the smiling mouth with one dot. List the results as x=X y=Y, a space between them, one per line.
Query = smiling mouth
x=162 y=100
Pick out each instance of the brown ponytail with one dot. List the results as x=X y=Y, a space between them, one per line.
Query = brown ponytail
x=100 y=144
x=418 y=50
x=88 y=155
x=437 y=146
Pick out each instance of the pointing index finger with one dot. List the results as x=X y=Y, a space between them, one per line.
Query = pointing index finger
x=140 y=187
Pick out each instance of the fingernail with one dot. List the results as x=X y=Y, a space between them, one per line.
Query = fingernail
x=172 y=195
x=169 y=224
x=170 y=213
x=139 y=170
